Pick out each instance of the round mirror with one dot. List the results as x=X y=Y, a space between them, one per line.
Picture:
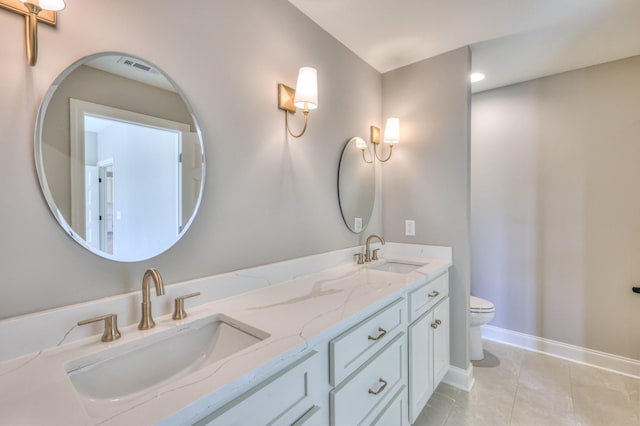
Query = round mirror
x=356 y=184
x=119 y=157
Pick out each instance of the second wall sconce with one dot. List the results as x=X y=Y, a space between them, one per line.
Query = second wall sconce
x=391 y=137
x=34 y=11
x=304 y=96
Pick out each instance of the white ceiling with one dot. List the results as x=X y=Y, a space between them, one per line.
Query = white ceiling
x=511 y=40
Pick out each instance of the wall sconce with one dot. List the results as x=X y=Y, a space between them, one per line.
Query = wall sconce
x=391 y=137
x=305 y=96
x=34 y=11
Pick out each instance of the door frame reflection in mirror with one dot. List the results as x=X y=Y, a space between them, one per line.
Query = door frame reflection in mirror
x=79 y=110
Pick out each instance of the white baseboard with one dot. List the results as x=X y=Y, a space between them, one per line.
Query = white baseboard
x=627 y=366
x=460 y=378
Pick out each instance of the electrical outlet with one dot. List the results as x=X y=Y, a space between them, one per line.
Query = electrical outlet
x=358 y=224
x=410 y=228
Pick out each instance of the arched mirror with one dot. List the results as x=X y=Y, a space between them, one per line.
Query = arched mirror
x=119 y=156
x=356 y=184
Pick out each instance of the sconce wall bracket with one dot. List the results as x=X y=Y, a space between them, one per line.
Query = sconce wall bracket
x=48 y=17
x=286 y=95
x=33 y=12
x=375 y=140
x=375 y=135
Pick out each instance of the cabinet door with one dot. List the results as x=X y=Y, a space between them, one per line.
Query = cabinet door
x=420 y=364
x=441 y=341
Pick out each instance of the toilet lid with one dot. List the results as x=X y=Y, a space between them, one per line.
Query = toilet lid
x=480 y=305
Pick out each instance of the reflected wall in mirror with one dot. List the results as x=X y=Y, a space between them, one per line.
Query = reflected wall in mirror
x=119 y=157
x=356 y=185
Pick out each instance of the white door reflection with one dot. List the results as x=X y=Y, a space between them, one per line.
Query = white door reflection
x=133 y=186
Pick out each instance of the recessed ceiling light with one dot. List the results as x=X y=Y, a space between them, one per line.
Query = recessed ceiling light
x=477 y=76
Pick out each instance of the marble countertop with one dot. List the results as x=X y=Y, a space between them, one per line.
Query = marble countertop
x=296 y=314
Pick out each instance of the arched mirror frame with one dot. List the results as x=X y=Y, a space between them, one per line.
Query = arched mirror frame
x=356 y=153
x=40 y=168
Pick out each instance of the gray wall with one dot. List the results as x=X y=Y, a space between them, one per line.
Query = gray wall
x=267 y=197
x=427 y=179
x=555 y=228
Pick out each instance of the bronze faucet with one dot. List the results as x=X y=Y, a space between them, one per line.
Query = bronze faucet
x=147 y=322
x=367 y=253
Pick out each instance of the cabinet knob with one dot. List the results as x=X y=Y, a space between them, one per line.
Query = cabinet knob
x=434 y=325
x=381 y=334
x=434 y=293
x=381 y=388
x=111 y=331
x=438 y=322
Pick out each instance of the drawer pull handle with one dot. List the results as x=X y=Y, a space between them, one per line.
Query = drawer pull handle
x=384 y=385
x=379 y=336
x=434 y=325
x=438 y=322
x=434 y=293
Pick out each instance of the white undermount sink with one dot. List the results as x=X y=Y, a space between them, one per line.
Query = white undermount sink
x=120 y=373
x=397 y=266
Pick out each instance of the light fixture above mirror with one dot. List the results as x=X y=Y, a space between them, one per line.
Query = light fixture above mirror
x=391 y=137
x=304 y=96
x=33 y=11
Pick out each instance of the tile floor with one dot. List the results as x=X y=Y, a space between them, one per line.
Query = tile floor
x=518 y=387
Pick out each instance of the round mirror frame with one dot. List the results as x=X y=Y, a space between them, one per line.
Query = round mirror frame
x=40 y=167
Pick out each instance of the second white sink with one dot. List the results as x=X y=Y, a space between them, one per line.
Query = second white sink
x=120 y=373
x=397 y=267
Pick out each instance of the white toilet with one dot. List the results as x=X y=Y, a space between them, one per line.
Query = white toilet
x=482 y=312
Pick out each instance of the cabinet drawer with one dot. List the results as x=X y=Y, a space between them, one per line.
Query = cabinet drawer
x=309 y=418
x=394 y=414
x=424 y=298
x=368 y=391
x=292 y=395
x=354 y=347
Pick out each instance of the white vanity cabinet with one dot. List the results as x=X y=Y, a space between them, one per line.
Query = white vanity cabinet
x=292 y=396
x=428 y=342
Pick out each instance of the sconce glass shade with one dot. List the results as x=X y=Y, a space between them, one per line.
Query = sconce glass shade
x=54 y=5
x=307 y=89
x=392 y=131
x=360 y=143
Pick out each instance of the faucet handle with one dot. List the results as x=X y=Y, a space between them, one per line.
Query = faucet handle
x=111 y=331
x=375 y=254
x=179 y=311
x=358 y=257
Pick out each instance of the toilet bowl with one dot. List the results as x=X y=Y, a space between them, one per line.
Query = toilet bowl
x=482 y=312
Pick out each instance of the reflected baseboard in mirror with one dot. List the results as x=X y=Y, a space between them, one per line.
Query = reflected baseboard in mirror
x=115 y=140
